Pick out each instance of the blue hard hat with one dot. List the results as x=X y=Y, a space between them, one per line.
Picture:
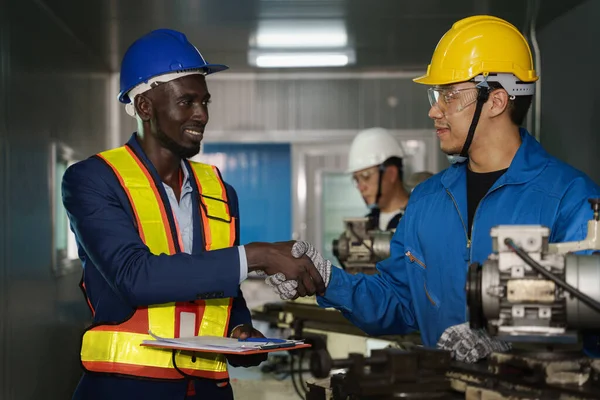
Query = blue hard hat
x=160 y=52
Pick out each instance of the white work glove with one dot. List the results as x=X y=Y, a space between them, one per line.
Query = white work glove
x=470 y=345
x=323 y=266
x=287 y=289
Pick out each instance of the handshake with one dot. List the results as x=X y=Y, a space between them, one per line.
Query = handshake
x=291 y=268
x=296 y=269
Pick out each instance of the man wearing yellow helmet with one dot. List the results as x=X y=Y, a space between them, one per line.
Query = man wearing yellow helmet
x=481 y=80
x=481 y=58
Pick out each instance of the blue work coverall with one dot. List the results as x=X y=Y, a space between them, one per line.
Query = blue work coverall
x=421 y=286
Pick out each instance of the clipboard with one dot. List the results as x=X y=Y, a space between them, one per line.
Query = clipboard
x=223 y=345
x=173 y=346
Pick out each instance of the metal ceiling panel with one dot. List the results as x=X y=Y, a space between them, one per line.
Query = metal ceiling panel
x=386 y=33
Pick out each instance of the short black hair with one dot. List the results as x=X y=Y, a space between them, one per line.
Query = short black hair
x=394 y=162
x=518 y=107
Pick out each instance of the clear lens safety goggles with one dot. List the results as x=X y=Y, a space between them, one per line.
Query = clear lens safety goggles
x=364 y=176
x=450 y=100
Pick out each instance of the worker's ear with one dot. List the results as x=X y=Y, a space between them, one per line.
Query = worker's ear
x=498 y=102
x=143 y=107
x=391 y=173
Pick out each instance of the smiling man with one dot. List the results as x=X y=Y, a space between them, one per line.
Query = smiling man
x=158 y=237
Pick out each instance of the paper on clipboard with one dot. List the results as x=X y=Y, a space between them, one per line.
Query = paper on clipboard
x=217 y=344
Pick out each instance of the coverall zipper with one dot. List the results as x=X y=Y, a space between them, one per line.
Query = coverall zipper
x=461 y=219
x=414 y=259
x=469 y=247
x=474 y=215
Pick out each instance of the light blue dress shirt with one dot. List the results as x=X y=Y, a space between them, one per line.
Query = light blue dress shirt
x=184 y=214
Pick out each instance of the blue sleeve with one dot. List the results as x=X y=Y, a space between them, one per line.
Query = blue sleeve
x=571 y=225
x=378 y=304
x=574 y=211
x=240 y=314
x=107 y=235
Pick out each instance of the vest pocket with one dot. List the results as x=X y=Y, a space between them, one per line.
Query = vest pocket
x=215 y=208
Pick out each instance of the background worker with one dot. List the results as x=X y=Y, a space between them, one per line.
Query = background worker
x=375 y=162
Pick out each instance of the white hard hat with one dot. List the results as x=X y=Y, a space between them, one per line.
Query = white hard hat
x=372 y=147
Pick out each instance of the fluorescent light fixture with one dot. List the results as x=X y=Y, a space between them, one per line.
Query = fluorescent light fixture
x=283 y=60
x=287 y=34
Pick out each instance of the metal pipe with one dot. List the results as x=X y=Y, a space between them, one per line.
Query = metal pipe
x=533 y=7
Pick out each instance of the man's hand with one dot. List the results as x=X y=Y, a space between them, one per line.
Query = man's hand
x=286 y=288
x=470 y=345
x=243 y=332
x=276 y=258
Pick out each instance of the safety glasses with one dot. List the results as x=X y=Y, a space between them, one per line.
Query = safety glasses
x=450 y=100
x=364 y=176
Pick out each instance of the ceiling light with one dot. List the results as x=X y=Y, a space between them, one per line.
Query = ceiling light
x=301 y=59
x=300 y=34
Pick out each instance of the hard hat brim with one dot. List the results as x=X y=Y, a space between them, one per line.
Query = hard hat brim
x=361 y=167
x=427 y=80
x=207 y=68
x=212 y=68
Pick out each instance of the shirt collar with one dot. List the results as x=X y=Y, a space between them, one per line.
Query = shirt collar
x=186 y=175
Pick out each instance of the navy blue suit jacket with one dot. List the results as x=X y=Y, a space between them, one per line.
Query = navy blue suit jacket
x=120 y=273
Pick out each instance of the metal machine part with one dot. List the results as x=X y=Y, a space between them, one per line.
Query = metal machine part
x=526 y=292
x=422 y=373
x=520 y=376
x=388 y=373
x=592 y=240
x=330 y=334
x=583 y=272
x=361 y=246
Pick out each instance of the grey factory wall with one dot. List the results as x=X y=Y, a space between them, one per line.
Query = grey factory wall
x=570 y=86
x=283 y=102
x=51 y=89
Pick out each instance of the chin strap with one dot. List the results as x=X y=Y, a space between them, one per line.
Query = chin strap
x=375 y=211
x=482 y=96
x=379 y=180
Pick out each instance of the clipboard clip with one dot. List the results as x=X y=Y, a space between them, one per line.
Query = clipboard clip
x=262 y=340
x=272 y=343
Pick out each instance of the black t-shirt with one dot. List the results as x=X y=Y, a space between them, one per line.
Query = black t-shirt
x=478 y=185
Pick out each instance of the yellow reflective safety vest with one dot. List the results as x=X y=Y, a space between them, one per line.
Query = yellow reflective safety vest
x=115 y=348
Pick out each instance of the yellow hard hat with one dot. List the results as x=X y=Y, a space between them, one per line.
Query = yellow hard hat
x=479 y=45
